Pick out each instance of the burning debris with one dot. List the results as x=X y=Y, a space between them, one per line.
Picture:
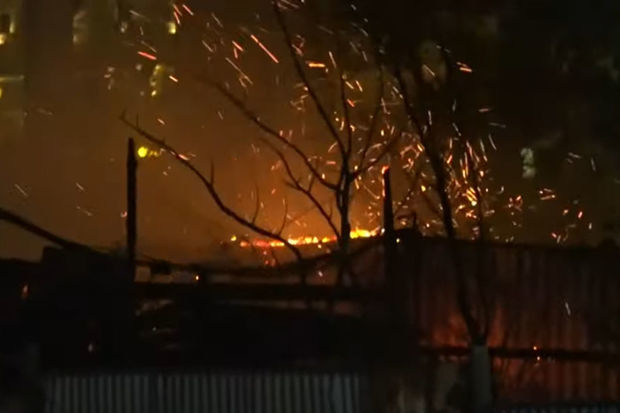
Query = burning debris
x=244 y=242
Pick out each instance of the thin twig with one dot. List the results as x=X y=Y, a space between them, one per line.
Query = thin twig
x=285 y=218
x=296 y=185
x=272 y=132
x=374 y=121
x=347 y=119
x=23 y=223
x=386 y=149
x=302 y=75
x=257 y=205
x=436 y=163
x=210 y=186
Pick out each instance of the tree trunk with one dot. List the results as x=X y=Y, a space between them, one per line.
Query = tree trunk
x=481 y=395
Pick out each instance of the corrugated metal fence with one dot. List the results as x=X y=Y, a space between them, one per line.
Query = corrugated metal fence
x=539 y=299
x=224 y=391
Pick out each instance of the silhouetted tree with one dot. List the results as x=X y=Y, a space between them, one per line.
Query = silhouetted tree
x=357 y=152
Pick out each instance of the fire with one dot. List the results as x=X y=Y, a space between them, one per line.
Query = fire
x=304 y=240
x=469 y=182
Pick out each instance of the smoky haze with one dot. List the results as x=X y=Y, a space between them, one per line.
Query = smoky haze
x=68 y=69
x=65 y=169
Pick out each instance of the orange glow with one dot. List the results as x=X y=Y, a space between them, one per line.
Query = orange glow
x=305 y=240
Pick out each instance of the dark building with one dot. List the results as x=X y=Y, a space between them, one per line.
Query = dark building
x=55 y=53
x=11 y=69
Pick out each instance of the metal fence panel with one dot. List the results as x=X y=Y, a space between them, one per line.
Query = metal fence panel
x=222 y=391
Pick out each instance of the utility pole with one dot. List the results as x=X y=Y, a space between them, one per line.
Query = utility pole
x=131 y=222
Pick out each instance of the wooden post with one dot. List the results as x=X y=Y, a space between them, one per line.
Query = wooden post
x=388 y=212
x=131 y=222
x=389 y=251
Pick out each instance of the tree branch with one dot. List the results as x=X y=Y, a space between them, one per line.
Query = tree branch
x=441 y=189
x=413 y=182
x=296 y=185
x=272 y=132
x=386 y=149
x=210 y=187
x=374 y=121
x=256 y=206
x=302 y=75
x=284 y=219
x=12 y=218
x=347 y=119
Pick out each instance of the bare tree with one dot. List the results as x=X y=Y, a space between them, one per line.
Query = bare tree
x=356 y=155
x=429 y=108
x=353 y=160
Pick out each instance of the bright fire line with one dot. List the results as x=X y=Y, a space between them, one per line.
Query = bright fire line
x=262 y=243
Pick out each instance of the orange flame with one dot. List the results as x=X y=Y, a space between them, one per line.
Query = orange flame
x=304 y=240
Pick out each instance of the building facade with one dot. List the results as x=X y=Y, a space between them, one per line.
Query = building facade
x=54 y=53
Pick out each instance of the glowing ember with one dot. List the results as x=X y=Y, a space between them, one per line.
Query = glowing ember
x=147 y=55
x=264 y=48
